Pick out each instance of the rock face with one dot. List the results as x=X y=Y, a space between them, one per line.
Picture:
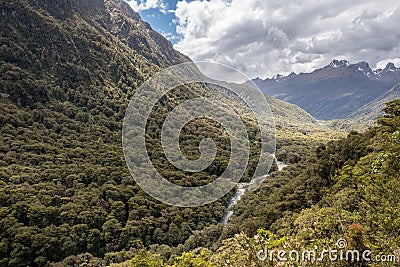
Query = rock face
x=127 y=25
x=64 y=8
x=335 y=91
x=68 y=44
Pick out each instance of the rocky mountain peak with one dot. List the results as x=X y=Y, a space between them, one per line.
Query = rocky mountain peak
x=278 y=77
x=338 y=63
x=329 y=92
x=364 y=65
x=127 y=25
x=125 y=7
x=364 y=68
x=390 y=66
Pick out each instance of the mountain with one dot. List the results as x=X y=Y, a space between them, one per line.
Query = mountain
x=289 y=114
x=370 y=111
x=334 y=91
x=73 y=44
x=343 y=191
x=67 y=71
x=140 y=36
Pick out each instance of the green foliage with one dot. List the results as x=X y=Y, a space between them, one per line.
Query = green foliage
x=67 y=75
x=355 y=197
x=390 y=122
x=65 y=190
x=189 y=260
x=66 y=195
x=145 y=259
x=345 y=189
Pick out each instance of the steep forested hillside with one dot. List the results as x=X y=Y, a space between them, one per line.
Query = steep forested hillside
x=345 y=190
x=372 y=110
x=68 y=69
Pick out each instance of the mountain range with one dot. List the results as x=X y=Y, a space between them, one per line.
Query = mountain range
x=68 y=69
x=67 y=72
x=340 y=90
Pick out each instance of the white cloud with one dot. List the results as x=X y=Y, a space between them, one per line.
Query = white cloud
x=265 y=37
x=140 y=5
x=170 y=36
x=382 y=64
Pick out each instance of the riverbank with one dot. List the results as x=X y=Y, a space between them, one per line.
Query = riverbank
x=241 y=189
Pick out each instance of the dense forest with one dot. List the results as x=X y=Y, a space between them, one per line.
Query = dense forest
x=66 y=79
x=343 y=189
x=67 y=72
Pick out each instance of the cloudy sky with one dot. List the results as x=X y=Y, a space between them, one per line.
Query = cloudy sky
x=263 y=37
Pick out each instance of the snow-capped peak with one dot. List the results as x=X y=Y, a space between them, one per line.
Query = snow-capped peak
x=278 y=77
x=339 y=63
x=390 y=67
x=364 y=68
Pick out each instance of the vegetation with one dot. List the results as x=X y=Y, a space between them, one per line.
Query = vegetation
x=344 y=189
x=67 y=197
x=66 y=194
x=65 y=191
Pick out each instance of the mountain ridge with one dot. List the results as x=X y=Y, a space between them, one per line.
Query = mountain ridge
x=360 y=68
x=332 y=92
x=372 y=110
x=67 y=72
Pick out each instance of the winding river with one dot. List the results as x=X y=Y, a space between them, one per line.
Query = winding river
x=240 y=192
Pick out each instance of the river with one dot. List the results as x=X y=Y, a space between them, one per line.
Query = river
x=240 y=192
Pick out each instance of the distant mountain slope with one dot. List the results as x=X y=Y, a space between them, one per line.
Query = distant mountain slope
x=334 y=91
x=286 y=113
x=372 y=110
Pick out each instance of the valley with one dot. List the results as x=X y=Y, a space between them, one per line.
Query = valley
x=67 y=197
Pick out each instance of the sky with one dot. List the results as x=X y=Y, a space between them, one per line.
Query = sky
x=262 y=38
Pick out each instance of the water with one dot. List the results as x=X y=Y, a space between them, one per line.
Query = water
x=281 y=165
x=234 y=199
x=240 y=192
